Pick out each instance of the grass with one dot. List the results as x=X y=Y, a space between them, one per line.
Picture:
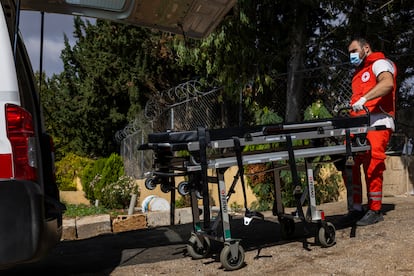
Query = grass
x=82 y=210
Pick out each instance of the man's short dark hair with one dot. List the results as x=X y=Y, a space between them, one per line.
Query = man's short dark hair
x=362 y=41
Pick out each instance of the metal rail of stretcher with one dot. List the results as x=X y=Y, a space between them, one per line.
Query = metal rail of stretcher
x=197 y=165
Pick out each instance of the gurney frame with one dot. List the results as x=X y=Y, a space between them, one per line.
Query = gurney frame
x=350 y=132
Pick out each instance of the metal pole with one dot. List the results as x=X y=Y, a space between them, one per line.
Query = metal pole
x=172 y=119
x=42 y=28
x=241 y=108
x=16 y=29
x=132 y=204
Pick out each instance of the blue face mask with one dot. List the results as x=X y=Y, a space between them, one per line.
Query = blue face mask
x=354 y=58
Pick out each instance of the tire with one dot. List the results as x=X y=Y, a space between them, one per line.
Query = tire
x=196 y=251
x=165 y=188
x=149 y=183
x=183 y=188
x=228 y=262
x=326 y=235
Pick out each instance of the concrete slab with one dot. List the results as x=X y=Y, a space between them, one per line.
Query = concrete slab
x=160 y=218
x=398 y=177
x=91 y=226
x=69 y=229
x=183 y=215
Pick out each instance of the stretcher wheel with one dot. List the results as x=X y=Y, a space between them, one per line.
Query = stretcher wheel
x=228 y=261
x=197 y=248
x=326 y=235
x=198 y=194
x=183 y=188
x=165 y=188
x=361 y=140
x=150 y=184
x=287 y=228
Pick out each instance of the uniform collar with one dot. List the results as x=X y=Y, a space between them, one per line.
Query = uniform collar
x=372 y=58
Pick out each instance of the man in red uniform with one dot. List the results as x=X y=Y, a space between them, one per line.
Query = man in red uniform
x=373 y=86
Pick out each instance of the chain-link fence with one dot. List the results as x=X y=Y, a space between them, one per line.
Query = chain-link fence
x=192 y=104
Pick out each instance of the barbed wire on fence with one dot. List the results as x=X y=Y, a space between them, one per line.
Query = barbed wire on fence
x=175 y=96
x=193 y=104
x=184 y=107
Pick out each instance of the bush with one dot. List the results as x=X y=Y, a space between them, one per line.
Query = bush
x=111 y=172
x=260 y=177
x=91 y=176
x=183 y=201
x=117 y=195
x=327 y=183
x=104 y=180
x=68 y=169
x=317 y=110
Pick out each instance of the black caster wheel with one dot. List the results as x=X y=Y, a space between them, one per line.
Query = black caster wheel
x=183 y=188
x=198 y=194
x=361 y=140
x=150 y=184
x=228 y=261
x=326 y=235
x=197 y=248
x=165 y=188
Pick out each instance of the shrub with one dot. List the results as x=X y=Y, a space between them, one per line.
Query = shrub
x=183 y=201
x=317 y=110
x=91 y=176
x=68 y=168
x=110 y=173
x=117 y=195
x=260 y=177
x=327 y=183
x=104 y=180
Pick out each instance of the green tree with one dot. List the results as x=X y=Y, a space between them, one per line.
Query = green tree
x=108 y=75
x=260 y=42
x=262 y=52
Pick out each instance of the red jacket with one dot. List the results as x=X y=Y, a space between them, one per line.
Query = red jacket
x=364 y=80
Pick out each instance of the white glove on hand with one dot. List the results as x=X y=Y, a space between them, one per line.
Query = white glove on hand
x=359 y=105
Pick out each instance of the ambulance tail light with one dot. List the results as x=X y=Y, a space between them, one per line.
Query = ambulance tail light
x=21 y=134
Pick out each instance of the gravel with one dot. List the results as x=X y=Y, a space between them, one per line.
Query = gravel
x=385 y=248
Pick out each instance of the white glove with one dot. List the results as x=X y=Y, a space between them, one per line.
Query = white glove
x=359 y=105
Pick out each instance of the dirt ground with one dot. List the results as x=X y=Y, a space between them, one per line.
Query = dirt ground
x=386 y=248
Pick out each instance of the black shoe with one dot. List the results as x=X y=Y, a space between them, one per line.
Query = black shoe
x=351 y=218
x=370 y=217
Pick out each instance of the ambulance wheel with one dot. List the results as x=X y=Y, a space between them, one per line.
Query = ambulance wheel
x=198 y=249
x=230 y=263
x=150 y=184
x=326 y=235
x=183 y=188
x=287 y=228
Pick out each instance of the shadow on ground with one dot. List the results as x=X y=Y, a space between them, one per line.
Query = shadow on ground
x=102 y=254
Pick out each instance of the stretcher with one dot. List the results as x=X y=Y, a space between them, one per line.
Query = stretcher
x=193 y=154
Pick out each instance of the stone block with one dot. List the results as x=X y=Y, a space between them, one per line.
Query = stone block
x=69 y=229
x=129 y=222
x=91 y=226
x=183 y=216
x=396 y=176
x=160 y=218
